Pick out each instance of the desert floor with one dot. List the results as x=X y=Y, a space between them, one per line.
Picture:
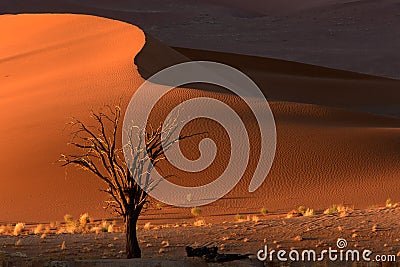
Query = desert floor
x=376 y=229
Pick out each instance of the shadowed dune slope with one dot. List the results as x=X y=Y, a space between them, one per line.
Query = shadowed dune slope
x=64 y=65
x=296 y=82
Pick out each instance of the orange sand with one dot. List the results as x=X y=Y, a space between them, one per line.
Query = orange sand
x=64 y=65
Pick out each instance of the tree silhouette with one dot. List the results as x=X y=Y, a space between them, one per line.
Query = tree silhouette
x=101 y=155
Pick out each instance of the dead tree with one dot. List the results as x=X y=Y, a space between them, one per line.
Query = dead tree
x=101 y=155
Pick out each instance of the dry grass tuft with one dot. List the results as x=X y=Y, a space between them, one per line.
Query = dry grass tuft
x=335 y=209
x=255 y=218
x=389 y=203
x=104 y=226
x=95 y=229
x=196 y=211
x=84 y=219
x=200 y=222
x=70 y=225
x=147 y=226
x=242 y=218
x=19 y=227
x=54 y=225
x=309 y=212
x=302 y=209
x=38 y=229
x=294 y=214
x=343 y=214
x=264 y=211
x=68 y=218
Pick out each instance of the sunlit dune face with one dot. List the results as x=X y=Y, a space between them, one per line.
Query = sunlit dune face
x=53 y=67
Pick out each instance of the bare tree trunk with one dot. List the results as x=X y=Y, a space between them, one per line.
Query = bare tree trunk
x=132 y=244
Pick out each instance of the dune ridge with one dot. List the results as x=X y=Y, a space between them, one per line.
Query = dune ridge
x=342 y=34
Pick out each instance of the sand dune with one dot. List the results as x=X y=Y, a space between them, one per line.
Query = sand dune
x=343 y=34
x=58 y=67
x=64 y=65
x=297 y=82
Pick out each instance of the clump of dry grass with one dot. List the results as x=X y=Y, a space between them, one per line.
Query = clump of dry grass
x=335 y=209
x=70 y=225
x=95 y=229
x=389 y=203
x=302 y=209
x=294 y=214
x=84 y=219
x=196 y=211
x=47 y=229
x=147 y=226
x=309 y=212
x=19 y=227
x=200 y=222
x=104 y=226
x=71 y=228
x=264 y=211
x=255 y=218
x=68 y=218
x=54 y=225
x=18 y=243
x=242 y=218
x=38 y=229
